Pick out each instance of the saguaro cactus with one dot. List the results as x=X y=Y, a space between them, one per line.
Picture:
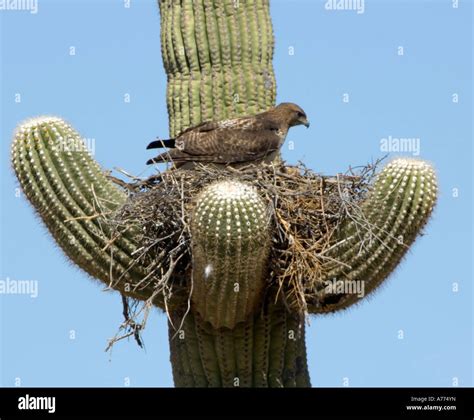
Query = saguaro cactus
x=238 y=330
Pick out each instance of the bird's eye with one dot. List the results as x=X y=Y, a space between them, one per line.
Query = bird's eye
x=300 y=114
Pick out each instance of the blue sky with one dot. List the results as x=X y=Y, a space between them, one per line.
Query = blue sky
x=321 y=55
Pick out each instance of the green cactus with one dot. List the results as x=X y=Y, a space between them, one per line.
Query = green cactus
x=218 y=58
x=268 y=350
x=231 y=243
x=73 y=197
x=400 y=204
x=398 y=207
x=238 y=330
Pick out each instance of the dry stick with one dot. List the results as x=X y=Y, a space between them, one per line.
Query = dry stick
x=129 y=321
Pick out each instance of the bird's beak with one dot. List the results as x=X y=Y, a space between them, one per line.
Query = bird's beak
x=306 y=123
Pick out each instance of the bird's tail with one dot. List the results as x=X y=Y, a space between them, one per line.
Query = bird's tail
x=159 y=144
x=164 y=157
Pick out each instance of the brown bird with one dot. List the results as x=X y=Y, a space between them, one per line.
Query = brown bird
x=253 y=138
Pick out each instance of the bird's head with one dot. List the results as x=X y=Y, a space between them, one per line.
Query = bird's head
x=292 y=114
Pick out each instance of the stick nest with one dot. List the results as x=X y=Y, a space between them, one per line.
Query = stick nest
x=306 y=210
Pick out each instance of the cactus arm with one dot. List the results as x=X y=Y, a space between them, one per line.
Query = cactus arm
x=397 y=209
x=71 y=194
x=231 y=243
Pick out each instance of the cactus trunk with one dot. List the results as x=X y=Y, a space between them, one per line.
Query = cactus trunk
x=218 y=59
x=268 y=350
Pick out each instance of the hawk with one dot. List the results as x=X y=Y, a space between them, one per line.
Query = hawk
x=247 y=139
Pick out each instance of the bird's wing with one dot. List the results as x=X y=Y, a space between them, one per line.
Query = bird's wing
x=244 y=123
x=243 y=134
x=223 y=146
x=203 y=127
x=230 y=143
